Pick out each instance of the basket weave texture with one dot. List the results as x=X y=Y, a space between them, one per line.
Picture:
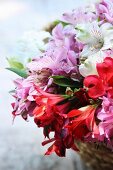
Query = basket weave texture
x=96 y=159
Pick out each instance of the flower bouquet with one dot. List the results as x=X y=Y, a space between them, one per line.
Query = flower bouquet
x=68 y=88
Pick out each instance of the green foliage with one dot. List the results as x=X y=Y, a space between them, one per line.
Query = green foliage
x=13 y=63
x=21 y=73
x=17 y=67
x=58 y=21
x=66 y=82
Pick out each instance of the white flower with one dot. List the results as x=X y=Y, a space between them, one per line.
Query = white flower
x=96 y=38
x=89 y=65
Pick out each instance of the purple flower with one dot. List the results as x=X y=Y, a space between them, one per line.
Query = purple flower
x=61 y=54
x=62 y=61
x=105 y=11
x=78 y=16
x=24 y=104
x=63 y=36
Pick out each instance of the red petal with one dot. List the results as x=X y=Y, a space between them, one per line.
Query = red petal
x=50 y=150
x=13 y=105
x=39 y=111
x=74 y=113
x=48 y=141
x=105 y=69
x=48 y=95
x=74 y=147
x=94 y=85
x=57 y=148
x=90 y=120
x=110 y=92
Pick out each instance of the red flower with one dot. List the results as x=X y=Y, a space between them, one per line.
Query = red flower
x=105 y=69
x=103 y=83
x=95 y=86
x=61 y=143
x=45 y=109
x=51 y=114
x=59 y=148
x=82 y=122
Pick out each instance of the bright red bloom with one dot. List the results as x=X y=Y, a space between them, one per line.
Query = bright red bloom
x=105 y=69
x=95 y=86
x=45 y=97
x=59 y=147
x=54 y=115
x=47 y=112
x=61 y=142
x=103 y=83
x=82 y=122
x=50 y=114
x=47 y=109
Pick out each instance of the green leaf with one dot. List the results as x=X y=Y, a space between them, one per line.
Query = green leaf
x=14 y=63
x=57 y=77
x=66 y=82
x=58 y=21
x=12 y=91
x=21 y=73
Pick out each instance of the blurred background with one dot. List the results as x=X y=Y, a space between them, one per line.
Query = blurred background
x=20 y=143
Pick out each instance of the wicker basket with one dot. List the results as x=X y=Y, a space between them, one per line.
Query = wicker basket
x=95 y=158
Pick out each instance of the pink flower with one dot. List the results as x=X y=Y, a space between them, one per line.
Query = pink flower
x=105 y=115
x=78 y=16
x=24 y=104
x=105 y=11
x=62 y=53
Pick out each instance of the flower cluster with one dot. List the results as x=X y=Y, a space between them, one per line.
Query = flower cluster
x=68 y=89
